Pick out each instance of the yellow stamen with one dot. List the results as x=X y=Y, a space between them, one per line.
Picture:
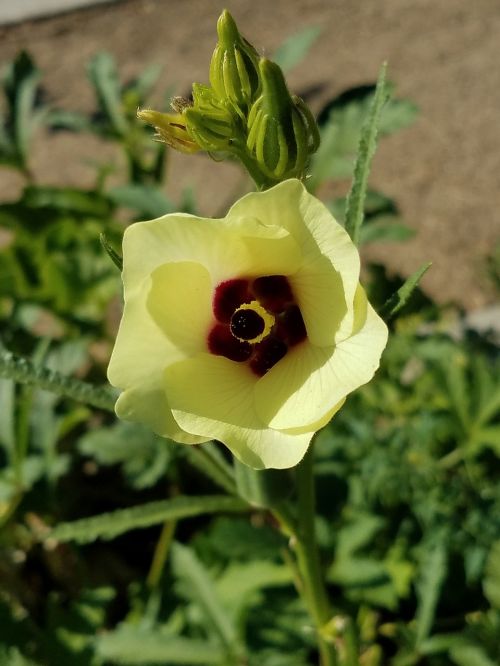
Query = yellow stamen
x=268 y=318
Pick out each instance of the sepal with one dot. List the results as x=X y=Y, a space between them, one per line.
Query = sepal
x=212 y=124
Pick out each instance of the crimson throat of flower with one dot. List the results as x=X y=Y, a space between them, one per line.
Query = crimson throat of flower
x=257 y=321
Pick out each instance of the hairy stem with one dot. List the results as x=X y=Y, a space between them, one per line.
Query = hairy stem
x=26 y=372
x=314 y=591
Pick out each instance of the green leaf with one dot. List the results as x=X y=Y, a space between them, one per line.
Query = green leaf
x=453 y=369
x=440 y=643
x=104 y=77
x=470 y=655
x=110 y=525
x=129 y=645
x=72 y=121
x=491 y=582
x=72 y=625
x=341 y=122
x=11 y=656
x=394 y=304
x=231 y=539
x=111 y=252
x=432 y=574
x=199 y=587
x=24 y=371
x=488 y=436
x=32 y=470
x=239 y=583
x=295 y=48
x=48 y=424
x=143 y=85
x=7 y=414
x=356 y=199
x=147 y=200
x=358 y=571
x=358 y=533
x=144 y=456
x=398 y=114
x=67 y=199
x=385 y=231
x=21 y=84
x=490 y=406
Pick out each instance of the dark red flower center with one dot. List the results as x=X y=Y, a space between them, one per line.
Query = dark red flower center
x=256 y=321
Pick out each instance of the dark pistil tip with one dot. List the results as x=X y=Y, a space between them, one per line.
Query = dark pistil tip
x=246 y=324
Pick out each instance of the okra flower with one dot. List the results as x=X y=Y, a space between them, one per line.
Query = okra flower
x=251 y=329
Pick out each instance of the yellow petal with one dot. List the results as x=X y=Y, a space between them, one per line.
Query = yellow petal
x=245 y=247
x=326 y=282
x=147 y=404
x=320 y=423
x=180 y=301
x=213 y=397
x=309 y=381
x=141 y=349
x=139 y=356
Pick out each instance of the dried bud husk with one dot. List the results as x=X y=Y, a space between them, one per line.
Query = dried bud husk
x=234 y=70
x=282 y=133
x=171 y=129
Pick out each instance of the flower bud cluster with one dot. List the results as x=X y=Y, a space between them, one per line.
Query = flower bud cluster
x=247 y=111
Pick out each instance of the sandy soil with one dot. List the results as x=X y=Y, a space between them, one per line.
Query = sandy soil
x=443 y=171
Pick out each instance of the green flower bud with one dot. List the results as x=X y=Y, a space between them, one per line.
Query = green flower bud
x=282 y=132
x=234 y=72
x=210 y=123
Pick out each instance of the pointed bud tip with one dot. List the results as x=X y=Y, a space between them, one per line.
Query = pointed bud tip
x=226 y=28
x=269 y=68
x=148 y=115
x=274 y=86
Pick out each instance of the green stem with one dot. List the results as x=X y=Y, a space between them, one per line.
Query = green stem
x=205 y=458
x=161 y=553
x=285 y=520
x=262 y=182
x=26 y=372
x=23 y=426
x=308 y=559
x=10 y=508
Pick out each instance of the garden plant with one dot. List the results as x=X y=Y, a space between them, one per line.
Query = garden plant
x=269 y=454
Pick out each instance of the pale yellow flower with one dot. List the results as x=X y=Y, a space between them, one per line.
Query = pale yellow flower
x=251 y=329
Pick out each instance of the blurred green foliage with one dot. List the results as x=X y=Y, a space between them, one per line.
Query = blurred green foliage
x=407 y=474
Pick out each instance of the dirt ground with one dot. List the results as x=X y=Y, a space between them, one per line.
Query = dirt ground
x=444 y=171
